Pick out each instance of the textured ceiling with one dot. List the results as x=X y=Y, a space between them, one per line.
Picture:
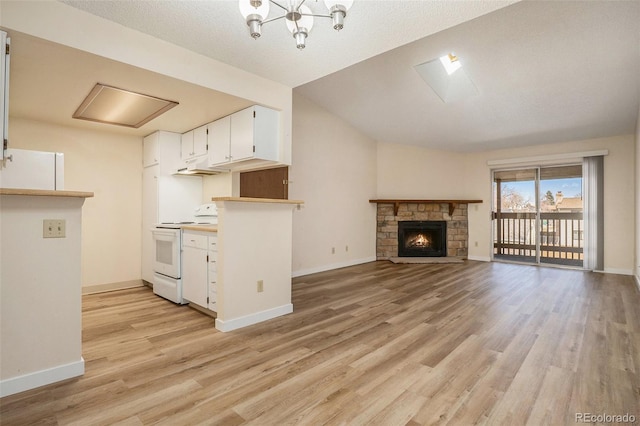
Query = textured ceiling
x=218 y=30
x=49 y=81
x=545 y=71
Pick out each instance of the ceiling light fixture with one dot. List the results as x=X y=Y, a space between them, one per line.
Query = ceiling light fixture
x=299 y=18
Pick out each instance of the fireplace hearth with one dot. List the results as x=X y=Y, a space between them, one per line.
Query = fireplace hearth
x=417 y=238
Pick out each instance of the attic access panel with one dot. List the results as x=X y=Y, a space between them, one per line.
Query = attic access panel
x=111 y=105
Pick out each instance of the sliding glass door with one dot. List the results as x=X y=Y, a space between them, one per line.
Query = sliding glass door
x=538 y=215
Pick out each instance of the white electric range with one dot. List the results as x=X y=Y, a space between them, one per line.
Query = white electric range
x=167 y=260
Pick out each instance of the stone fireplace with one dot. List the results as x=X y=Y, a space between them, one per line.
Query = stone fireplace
x=392 y=213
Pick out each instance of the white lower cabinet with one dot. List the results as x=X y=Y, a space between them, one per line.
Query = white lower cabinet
x=199 y=271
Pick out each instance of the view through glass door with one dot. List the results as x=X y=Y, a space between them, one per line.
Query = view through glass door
x=538 y=215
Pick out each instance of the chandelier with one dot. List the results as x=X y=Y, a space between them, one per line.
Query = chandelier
x=298 y=16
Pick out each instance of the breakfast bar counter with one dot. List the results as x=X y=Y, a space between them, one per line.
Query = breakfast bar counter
x=254 y=260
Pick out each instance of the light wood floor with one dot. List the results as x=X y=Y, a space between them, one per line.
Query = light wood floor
x=380 y=343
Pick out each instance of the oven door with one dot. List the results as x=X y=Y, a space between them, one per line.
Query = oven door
x=166 y=260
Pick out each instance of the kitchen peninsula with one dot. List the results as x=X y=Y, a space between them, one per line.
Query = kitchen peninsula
x=254 y=256
x=40 y=287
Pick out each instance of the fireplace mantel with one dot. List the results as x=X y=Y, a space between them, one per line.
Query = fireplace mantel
x=452 y=203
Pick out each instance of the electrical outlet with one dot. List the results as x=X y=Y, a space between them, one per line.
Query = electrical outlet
x=476 y=244
x=53 y=228
x=333 y=250
x=346 y=248
x=260 y=286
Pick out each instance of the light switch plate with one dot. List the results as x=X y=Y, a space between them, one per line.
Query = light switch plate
x=53 y=228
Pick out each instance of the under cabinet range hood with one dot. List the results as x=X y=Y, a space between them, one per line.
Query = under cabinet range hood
x=198 y=167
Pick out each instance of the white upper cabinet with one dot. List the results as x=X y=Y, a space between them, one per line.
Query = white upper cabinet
x=242 y=134
x=219 y=138
x=186 y=145
x=161 y=148
x=150 y=149
x=253 y=134
x=194 y=143
x=200 y=141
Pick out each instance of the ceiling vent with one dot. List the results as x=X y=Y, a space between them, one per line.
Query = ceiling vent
x=110 y=105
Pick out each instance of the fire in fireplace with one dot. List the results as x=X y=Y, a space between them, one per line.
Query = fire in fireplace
x=422 y=238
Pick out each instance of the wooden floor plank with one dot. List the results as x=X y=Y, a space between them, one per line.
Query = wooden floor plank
x=378 y=343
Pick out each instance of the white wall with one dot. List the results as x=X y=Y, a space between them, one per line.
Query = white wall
x=334 y=173
x=110 y=166
x=637 y=194
x=412 y=172
x=455 y=175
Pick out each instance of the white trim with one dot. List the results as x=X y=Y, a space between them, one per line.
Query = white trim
x=637 y=282
x=235 y=323
x=332 y=266
x=41 y=378
x=617 y=271
x=548 y=159
x=102 y=288
x=479 y=258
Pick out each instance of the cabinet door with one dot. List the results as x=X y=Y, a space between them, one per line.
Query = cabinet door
x=219 y=138
x=186 y=145
x=266 y=141
x=169 y=151
x=200 y=141
x=269 y=183
x=150 y=150
x=149 y=218
x=242 y=135
x=194 y=275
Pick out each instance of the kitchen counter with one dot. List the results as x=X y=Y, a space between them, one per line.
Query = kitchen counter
x=201 y=228
x=257 y=200
x=45 y=193
x=38 y=276
x=253 y=260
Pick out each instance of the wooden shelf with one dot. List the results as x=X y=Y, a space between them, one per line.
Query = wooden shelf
x=452 y=203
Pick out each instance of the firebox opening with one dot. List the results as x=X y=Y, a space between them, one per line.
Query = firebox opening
x=422 y=239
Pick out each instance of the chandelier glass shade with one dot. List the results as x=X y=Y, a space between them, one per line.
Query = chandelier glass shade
x=298 y=16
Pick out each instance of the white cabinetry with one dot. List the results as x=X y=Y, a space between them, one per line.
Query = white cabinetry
x=253 y=134
x=219 y=139
x=165 y=198
x=161 y=148
x=199 y=271
x=4 y=92
x=193 y=143
x=212 y=257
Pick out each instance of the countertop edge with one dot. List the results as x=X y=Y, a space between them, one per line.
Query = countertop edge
x=201 y=228
x=45 y=193
x=257 y=200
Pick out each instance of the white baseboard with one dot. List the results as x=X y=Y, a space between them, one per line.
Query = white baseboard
x=332 y=266
x=102 y=288
x=235 y=323
x=618 y=271
x=41 y=378
x=479 y=258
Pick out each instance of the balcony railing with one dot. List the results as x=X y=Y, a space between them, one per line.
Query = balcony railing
x=560 y=237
